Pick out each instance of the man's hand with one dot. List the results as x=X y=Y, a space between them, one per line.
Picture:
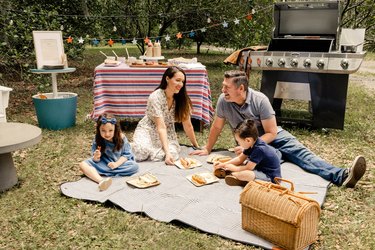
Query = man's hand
x=202 y=151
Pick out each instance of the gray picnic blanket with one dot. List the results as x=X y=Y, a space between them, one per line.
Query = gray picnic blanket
x=212 y=208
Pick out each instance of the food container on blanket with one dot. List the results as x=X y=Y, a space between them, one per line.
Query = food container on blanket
x=278 y=214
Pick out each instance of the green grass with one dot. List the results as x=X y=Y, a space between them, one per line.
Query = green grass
x=35 y=215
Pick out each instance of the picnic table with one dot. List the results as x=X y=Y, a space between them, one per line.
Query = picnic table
x=124 y=90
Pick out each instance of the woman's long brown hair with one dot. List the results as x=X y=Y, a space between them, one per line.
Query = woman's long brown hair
x=182 y=101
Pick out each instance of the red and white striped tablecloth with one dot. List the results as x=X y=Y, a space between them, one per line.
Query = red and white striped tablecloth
x=123 y=91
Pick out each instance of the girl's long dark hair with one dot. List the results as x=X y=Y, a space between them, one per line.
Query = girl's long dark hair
x=182 y=101
x=117 y=138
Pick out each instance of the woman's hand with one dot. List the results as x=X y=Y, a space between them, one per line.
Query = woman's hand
x=169 y=159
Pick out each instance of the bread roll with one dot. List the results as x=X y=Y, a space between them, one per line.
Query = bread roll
x=185 y=162
x=198 y=179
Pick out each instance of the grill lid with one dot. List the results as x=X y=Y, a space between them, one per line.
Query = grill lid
x=306 y=19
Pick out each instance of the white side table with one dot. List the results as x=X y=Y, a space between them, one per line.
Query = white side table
x=53 y=73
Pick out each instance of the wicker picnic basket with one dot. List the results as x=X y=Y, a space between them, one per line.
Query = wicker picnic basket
x=279 y=215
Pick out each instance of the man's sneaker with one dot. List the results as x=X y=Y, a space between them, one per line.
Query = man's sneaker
x=356 y=171
x=105 y=183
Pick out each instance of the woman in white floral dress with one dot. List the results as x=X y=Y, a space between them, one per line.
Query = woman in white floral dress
x=155 y=137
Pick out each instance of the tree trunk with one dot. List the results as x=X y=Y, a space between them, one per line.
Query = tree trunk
x=85 y=9
x=199 y=42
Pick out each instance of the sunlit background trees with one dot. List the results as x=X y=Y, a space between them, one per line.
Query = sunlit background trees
x=227 y=24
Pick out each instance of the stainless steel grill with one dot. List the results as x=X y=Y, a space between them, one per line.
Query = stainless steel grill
x=305 y=61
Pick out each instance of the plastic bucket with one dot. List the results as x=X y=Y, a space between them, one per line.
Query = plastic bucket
x=56 y=113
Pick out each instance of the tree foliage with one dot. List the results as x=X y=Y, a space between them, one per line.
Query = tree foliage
x=360 y=14
x=200 y=21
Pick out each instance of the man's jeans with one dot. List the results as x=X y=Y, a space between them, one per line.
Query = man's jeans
x=292 y=150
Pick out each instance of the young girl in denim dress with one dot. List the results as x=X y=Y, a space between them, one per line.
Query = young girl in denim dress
x=111 y=154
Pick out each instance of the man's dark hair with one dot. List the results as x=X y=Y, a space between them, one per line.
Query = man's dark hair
x=238 y=78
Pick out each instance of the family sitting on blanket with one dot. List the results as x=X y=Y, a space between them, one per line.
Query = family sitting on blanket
x=111 y=154
x=155 y=137
x=239 y=102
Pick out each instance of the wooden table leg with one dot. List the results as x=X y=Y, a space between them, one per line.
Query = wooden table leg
x=8 y=173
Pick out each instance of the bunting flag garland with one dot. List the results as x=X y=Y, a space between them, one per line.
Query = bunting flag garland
x=179 y=35
x=95 y=42
x=69 y=39
x=191 y=33
x=110 y=42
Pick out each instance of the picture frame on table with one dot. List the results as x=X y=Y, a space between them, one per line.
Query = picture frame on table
x=49 y=49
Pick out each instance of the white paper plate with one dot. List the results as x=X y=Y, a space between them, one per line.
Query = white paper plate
x=144 y=181
x=207 y=176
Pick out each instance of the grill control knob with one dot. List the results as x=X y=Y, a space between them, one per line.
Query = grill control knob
x=344 y=64
x=269 y=62
x=320 y=63
x=307 y=63
x=281 y=62
x=294 y=62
